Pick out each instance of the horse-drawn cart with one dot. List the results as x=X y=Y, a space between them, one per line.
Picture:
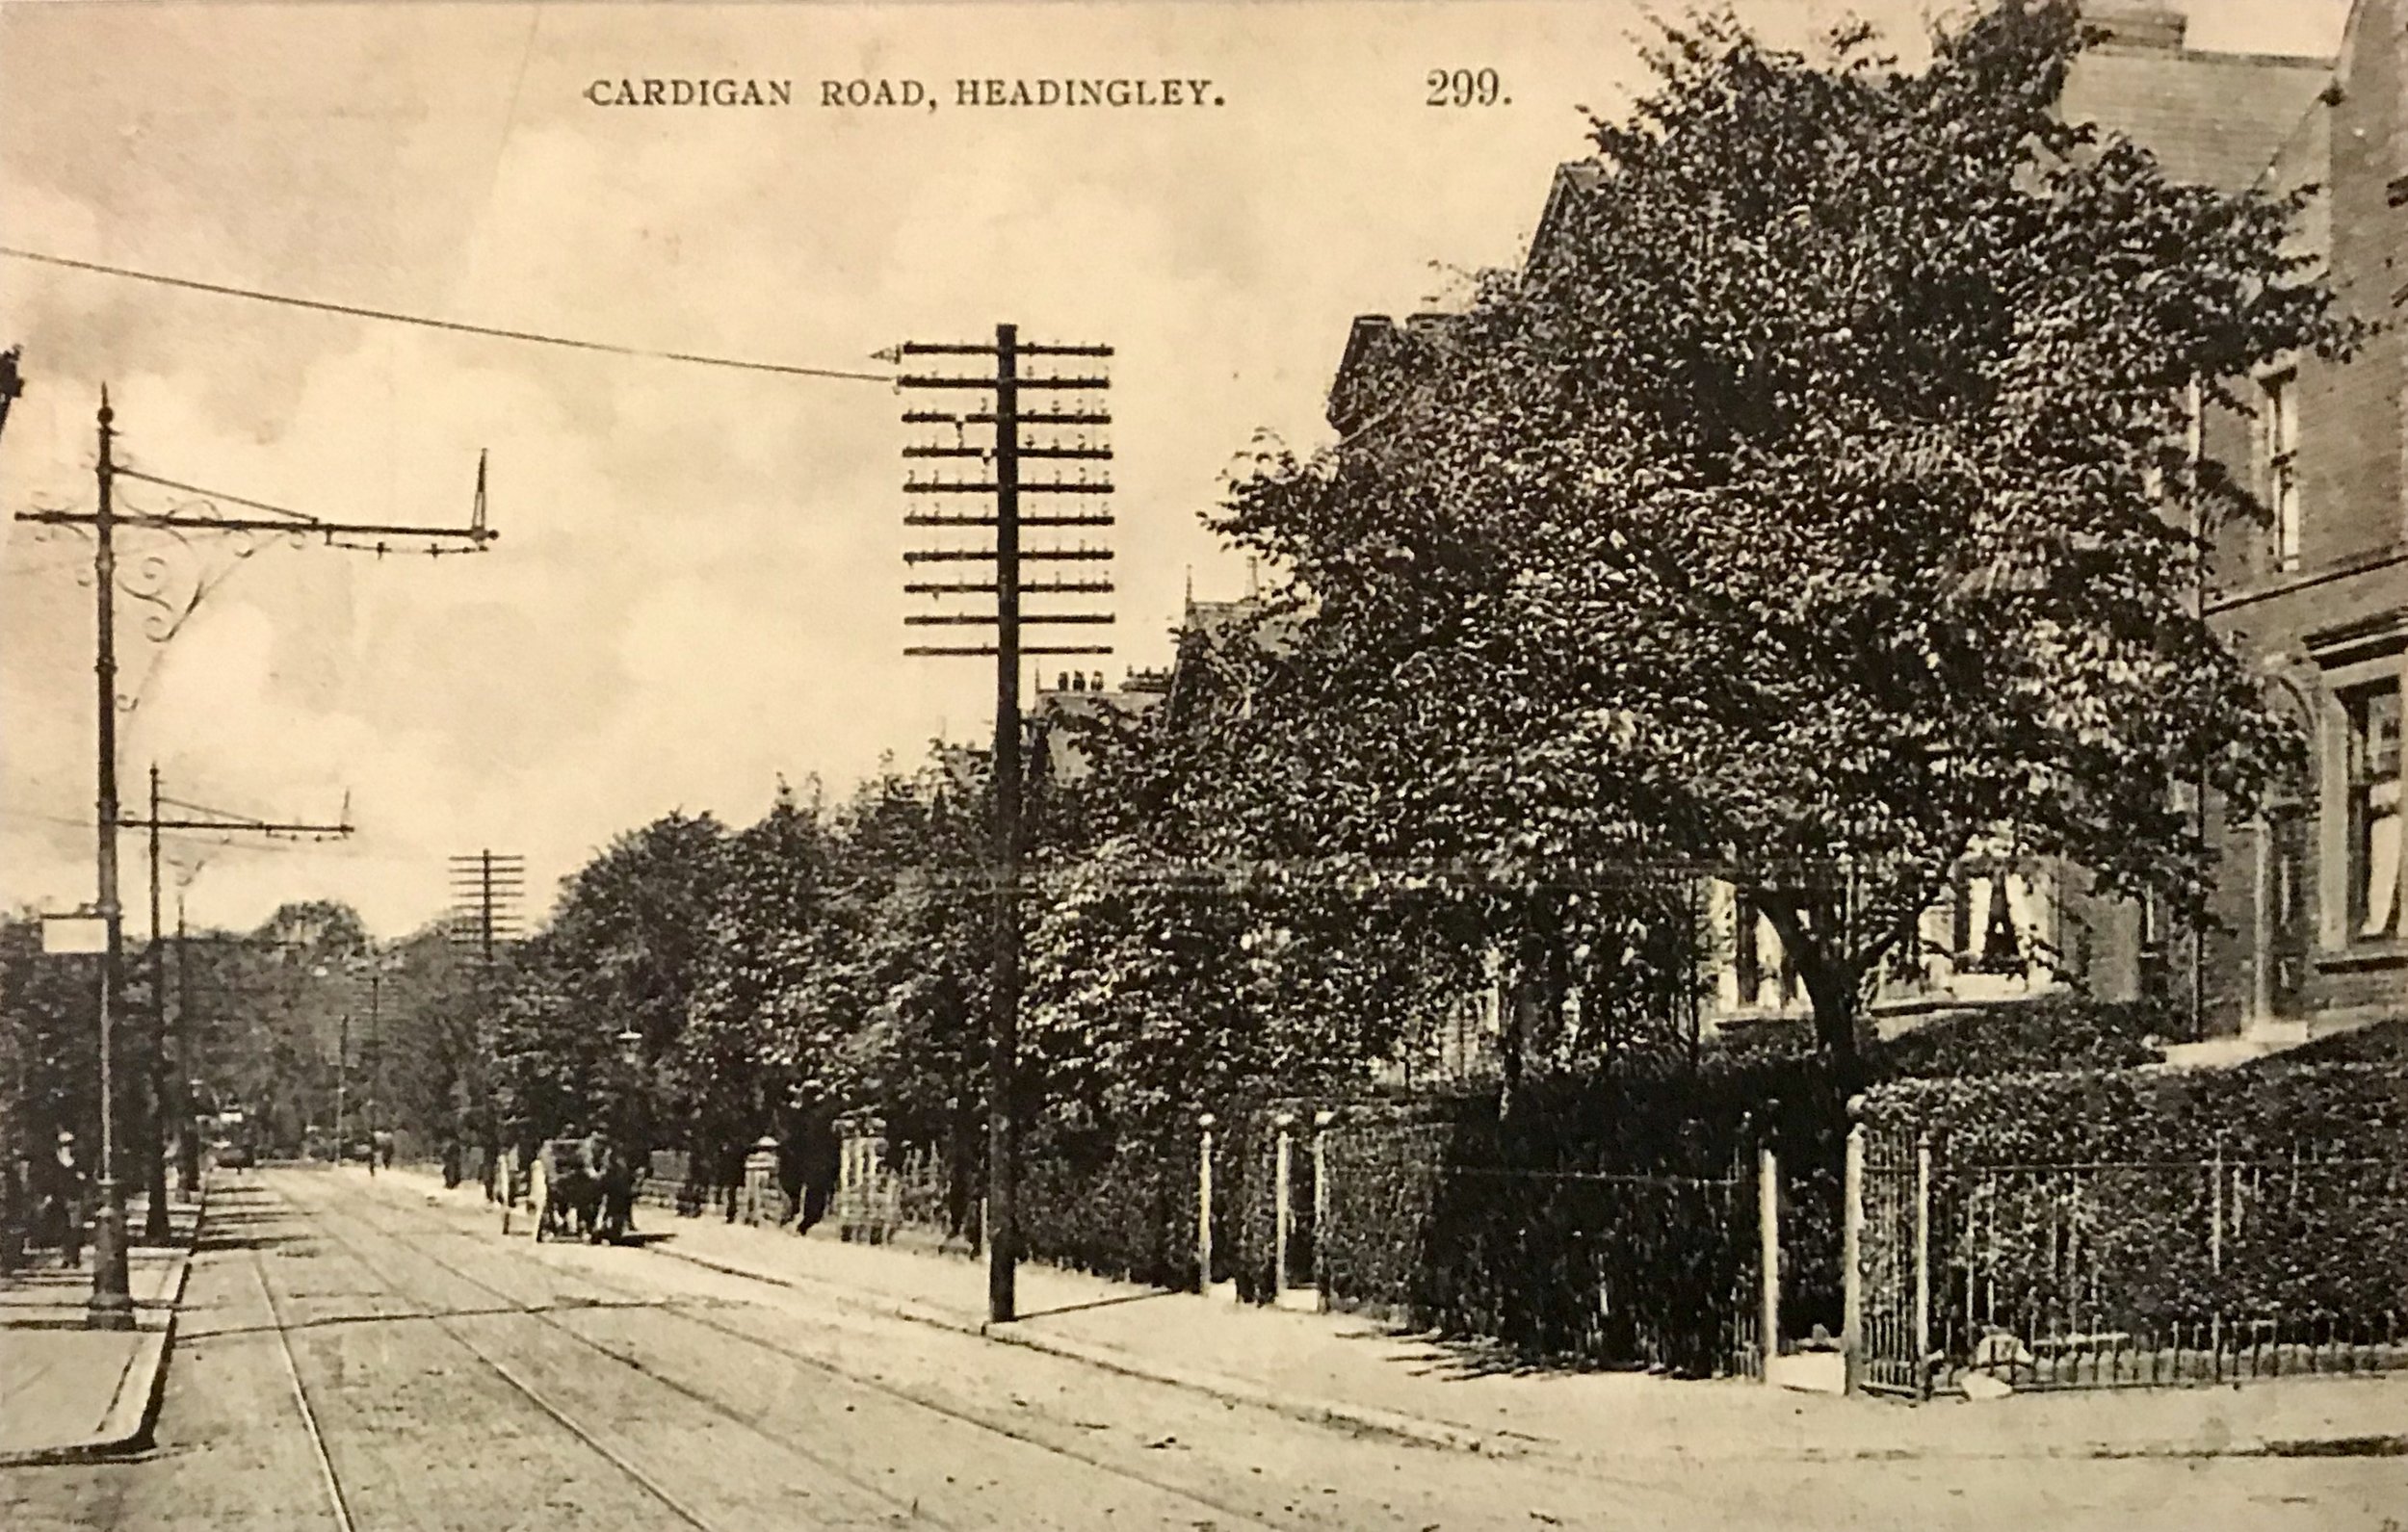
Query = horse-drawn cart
x=576 y=1187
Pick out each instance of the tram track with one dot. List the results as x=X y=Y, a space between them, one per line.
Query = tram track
x=338 y=1506
x=338 y=1500
x=1158 y=1484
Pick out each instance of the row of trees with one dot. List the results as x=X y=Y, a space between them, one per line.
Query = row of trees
x=1810 y=508
x=258 y=1023
x=1813 y=508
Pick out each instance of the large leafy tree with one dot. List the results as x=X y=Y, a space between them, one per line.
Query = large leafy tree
x=1174 y=961
x=919 y=927
x=1810 y=510
x=869 y=990
x=623 y=952
x=760 y=1042
x=435 y=1040
x=300 y=1019
x=49 y=1048
x=634 y=924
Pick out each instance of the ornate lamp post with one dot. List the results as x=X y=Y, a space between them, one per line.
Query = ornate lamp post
x=112 y=1304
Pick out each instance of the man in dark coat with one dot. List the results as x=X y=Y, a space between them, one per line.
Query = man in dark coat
x=67 y=1195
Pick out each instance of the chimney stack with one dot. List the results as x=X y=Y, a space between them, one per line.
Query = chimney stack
x=2137 y=23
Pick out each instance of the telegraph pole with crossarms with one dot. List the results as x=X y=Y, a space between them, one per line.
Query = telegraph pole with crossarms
x=989 y=442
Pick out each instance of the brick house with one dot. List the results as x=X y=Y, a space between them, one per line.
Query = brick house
x=2311 y=902
x=2312 y=930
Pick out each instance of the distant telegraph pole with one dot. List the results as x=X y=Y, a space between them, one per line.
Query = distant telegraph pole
x=989 y=445
x=487 y=890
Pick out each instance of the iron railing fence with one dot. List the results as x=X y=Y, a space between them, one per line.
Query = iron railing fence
x=888 y=1192
x=2106 y=1274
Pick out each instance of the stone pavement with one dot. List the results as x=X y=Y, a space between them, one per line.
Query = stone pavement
x=67 y=1392
x=1355 y=1373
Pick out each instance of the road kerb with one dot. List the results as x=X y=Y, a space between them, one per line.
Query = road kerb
x=1317 y=1412
x=132 y=1414
x=1440 y=1434
x=156 y=1394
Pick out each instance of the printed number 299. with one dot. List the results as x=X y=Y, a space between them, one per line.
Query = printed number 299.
x=1466 y=88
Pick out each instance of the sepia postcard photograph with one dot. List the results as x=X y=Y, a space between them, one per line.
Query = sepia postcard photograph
x=1422 y=766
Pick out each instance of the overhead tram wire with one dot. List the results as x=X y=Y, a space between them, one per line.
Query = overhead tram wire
x=453 y=327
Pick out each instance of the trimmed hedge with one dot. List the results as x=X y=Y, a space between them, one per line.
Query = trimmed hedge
x=1445 y=1214
x=1118 y=1205
x=1604 y=1220
x=2057 y=1032
x=1446 y=1218
x=2384 y=1042
x=2268 y=1108
x=2277 y=1189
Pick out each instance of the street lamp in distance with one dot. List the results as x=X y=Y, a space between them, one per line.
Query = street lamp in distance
x=376 y=965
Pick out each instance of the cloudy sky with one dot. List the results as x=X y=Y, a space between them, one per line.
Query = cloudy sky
x=697 y=583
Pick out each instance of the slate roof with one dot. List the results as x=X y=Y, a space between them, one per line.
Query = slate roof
x=2215 y=119
x=1572 y=178
x=1211 y=624
x=1065 y=760
x=2305 y=159
x=1370 y=337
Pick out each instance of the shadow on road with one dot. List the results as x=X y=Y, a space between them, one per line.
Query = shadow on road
x=243 y=1229
x=1451 y=1358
